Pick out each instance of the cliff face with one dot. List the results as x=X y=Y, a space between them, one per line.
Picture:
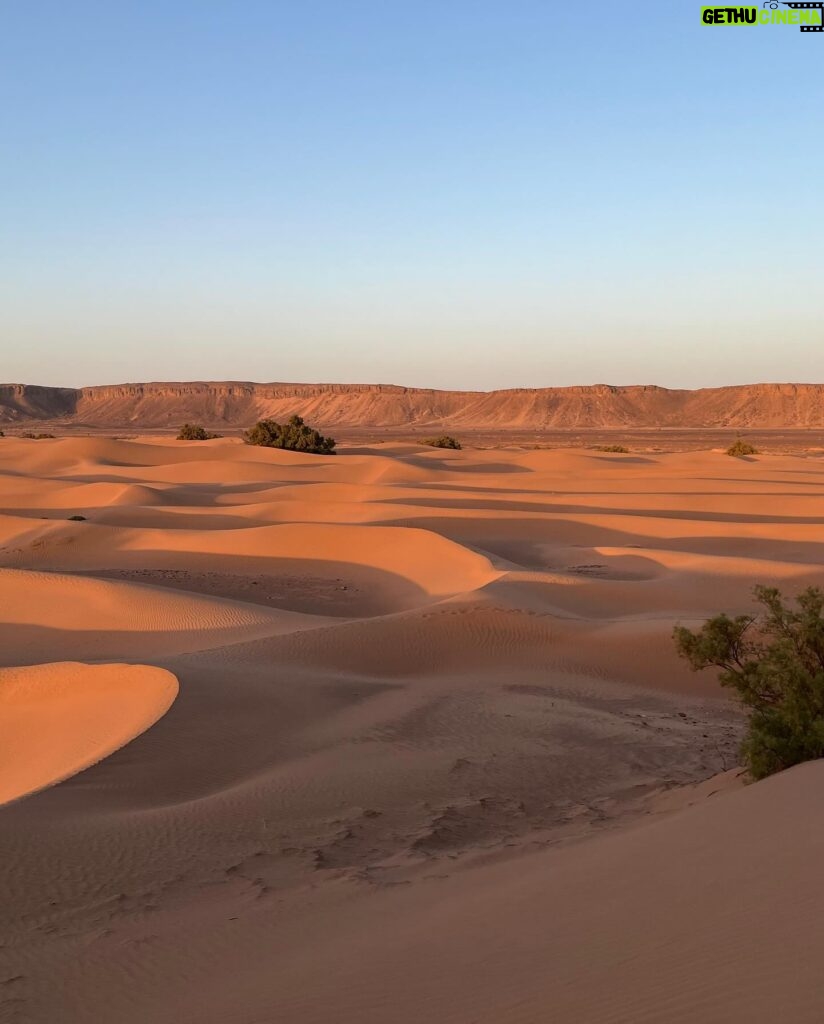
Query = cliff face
x=236 y=404
x=22 y=402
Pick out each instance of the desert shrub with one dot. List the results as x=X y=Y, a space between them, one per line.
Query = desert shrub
x=2 y=434
x=740 y=448
x=775 y=663
x=618 y=448
x=444 y=441
x=194 y=432
x=77 y=519
x=294 y=435
x=36 y=437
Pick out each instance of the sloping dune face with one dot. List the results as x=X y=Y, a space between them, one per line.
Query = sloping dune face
x=410 y=679
x=48 y=615
x=58 y=719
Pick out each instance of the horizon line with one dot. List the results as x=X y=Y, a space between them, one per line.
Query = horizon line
x=408 y=387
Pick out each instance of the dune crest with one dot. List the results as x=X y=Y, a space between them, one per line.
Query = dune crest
x=57 y=719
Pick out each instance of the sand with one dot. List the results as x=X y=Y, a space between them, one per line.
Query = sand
x=432 y=755
x=57 y=719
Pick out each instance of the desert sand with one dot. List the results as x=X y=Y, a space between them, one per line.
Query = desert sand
x=56 y=719
x=432 y=757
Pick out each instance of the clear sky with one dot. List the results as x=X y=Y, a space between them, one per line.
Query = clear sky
x=440 y=193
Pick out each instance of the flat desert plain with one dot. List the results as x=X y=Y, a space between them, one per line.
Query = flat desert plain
x=393 y=736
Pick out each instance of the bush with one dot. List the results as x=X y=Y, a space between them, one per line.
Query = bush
x=193 y=432
x=741 y=448
x=617 y=448
x=775 y=662
x=294 y=435
x=444 y=441
x=77 y=519
x=36 y=437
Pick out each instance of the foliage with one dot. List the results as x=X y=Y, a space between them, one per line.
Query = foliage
x=294 y=435
x=36 y=437
x=617 y=448
x=444 y=441
x=741 y=448
x=194 y=432
x=775 y=662
x=77 y=519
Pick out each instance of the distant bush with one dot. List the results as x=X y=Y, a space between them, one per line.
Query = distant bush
x=618 y=448
x=2 y=434
x=741 y=448
x=294 y=435
x=775 y=662
x=194 y=432
x=36 y=437
x=445 y=441
x=77 y=519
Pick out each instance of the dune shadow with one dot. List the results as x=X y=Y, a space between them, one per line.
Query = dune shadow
x=457 y=466
x=559 y=508
x=520 y=541
x=311 y=586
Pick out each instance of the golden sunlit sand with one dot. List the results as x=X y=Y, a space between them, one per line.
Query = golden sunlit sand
x=433 y=757
x=57 y=719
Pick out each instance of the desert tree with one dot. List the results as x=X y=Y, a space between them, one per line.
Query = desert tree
x=194 y=432
x=444 y=441
x=774 y=660
x=740 y=448
x=294 y=435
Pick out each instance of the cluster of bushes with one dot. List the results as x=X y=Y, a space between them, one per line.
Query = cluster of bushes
x=617 y=448
x=444 y=441
x=294 y=435
x=775 y=663
x=740 y=448
x=36 y=437
x=193 y=432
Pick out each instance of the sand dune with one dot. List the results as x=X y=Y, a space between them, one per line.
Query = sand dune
x=57 y=719
x=432 y=748
x=679 y=921
x=51 y=615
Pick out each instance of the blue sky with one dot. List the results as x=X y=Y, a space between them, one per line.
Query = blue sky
x=446 y=194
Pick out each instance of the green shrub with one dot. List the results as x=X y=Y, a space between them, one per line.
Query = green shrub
x=741 y=448
x=193 y=432
x=294 y=435
x=775 y=663
x=618 y=448
x=444 y=441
